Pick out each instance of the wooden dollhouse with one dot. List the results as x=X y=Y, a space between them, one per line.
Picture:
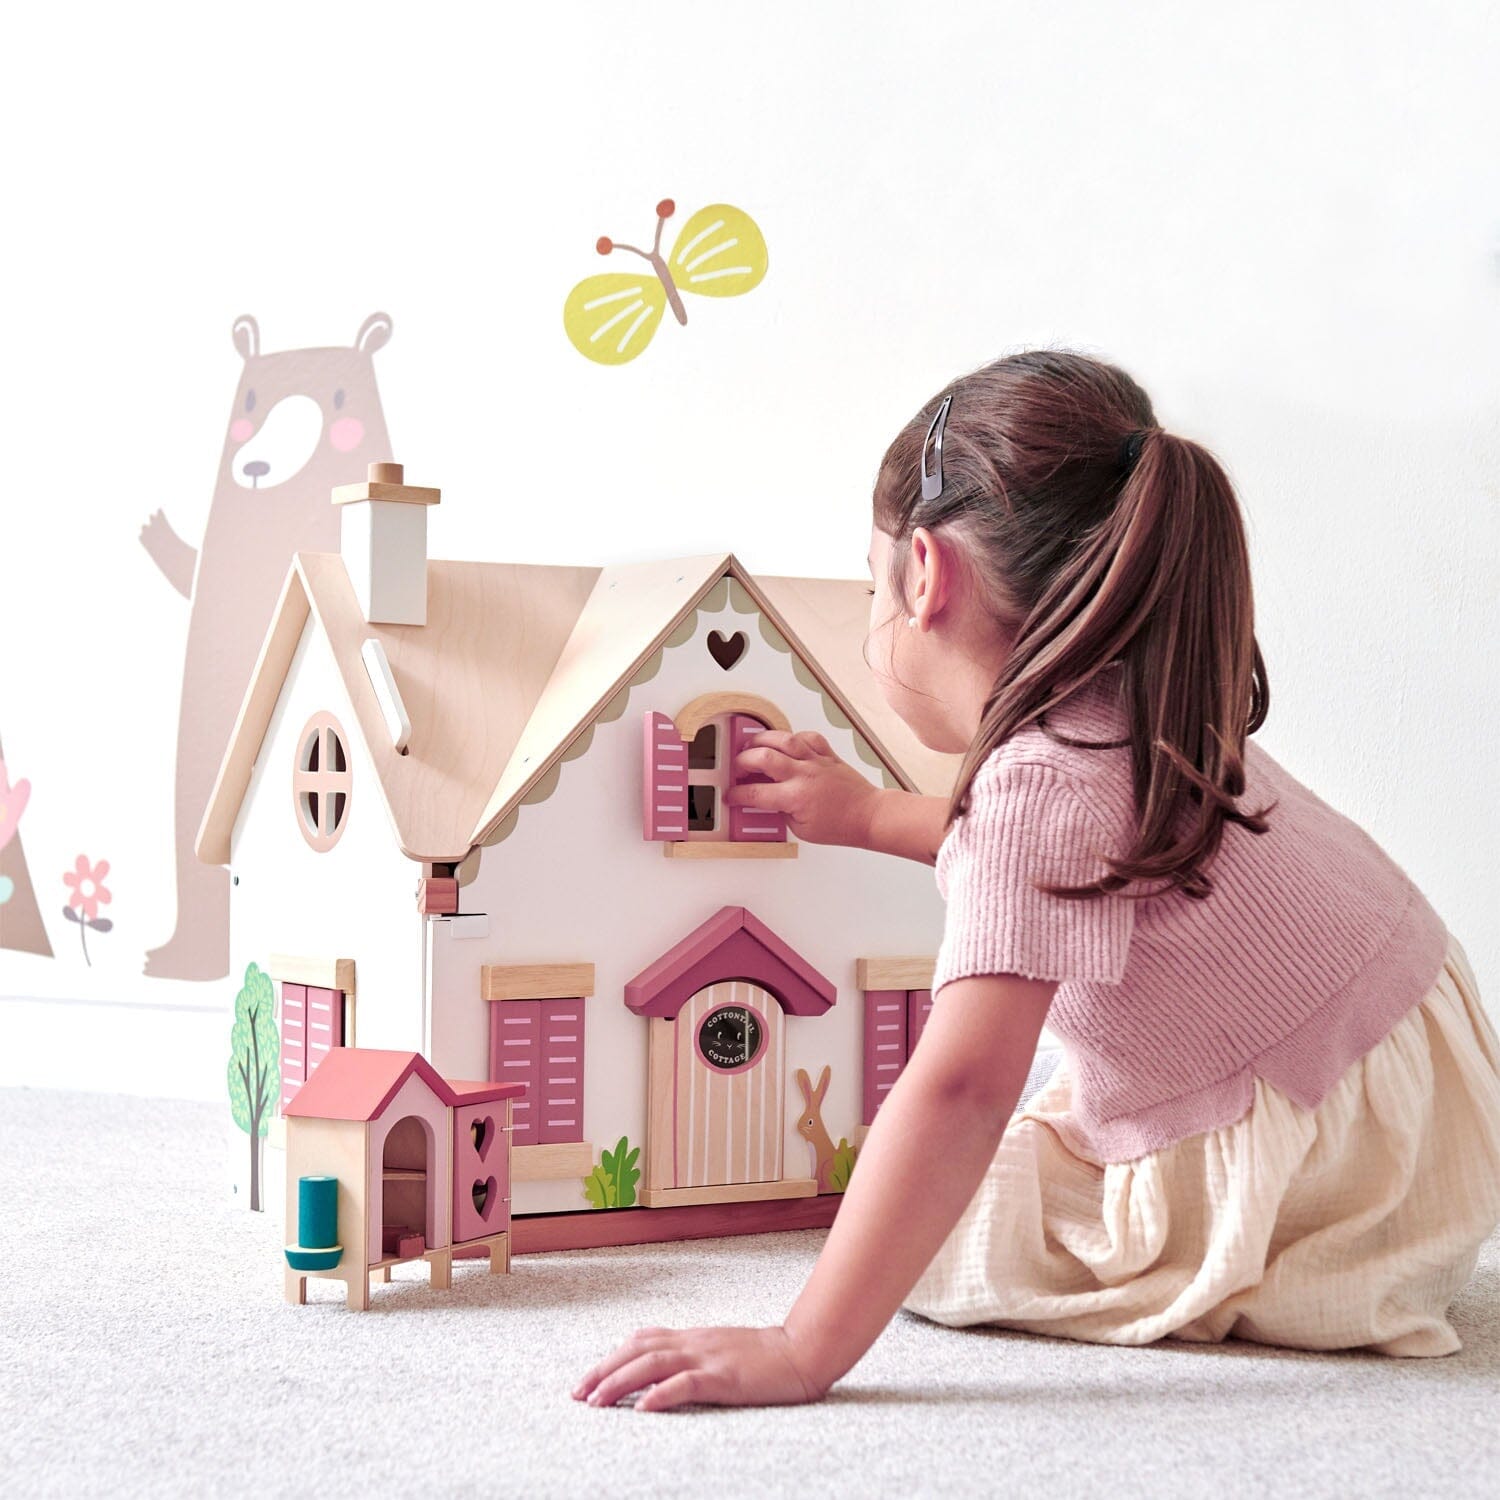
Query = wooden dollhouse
x=475 y=811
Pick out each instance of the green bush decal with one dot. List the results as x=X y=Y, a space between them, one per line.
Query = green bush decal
x=843 y=1165
x=612 y=1183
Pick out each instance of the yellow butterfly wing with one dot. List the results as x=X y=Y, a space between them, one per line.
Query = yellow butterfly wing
x=720 y=252
x=610 y=318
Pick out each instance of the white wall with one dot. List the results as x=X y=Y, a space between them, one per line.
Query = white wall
x=1280 y=219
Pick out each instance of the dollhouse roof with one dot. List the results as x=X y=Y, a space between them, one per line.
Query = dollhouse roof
x=356 y=1083
x=518 y=659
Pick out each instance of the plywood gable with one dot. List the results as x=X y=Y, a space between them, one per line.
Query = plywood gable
x=630 y=615
x=637 y=612
x=679 y=680
x=267 y=680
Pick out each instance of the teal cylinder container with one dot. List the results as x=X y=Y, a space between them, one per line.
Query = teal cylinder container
x=317 y=1247
x=317 y=1212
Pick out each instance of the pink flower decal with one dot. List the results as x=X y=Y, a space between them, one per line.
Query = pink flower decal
x=86 y=882
x=87 y=885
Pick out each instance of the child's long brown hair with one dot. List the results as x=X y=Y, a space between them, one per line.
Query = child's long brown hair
x=1086 y=561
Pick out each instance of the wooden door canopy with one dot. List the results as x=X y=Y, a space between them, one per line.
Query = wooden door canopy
x=732 y=944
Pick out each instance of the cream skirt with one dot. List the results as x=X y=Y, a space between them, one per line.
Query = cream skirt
x=1351 y=1225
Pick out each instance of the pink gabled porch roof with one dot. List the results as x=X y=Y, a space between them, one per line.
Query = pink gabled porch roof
x=732 y=944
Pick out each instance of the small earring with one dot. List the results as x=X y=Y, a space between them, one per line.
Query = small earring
x=912 y=620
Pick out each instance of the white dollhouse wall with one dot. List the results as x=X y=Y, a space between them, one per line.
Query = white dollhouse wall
x=575 y=880
x=353 y=901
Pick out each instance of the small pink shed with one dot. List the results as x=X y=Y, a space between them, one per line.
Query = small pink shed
x=423 y=1163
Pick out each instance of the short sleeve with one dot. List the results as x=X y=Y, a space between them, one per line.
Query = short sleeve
x=1028 y=823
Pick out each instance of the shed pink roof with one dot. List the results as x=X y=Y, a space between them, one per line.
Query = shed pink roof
x=356 y=1083
x=484 y=1091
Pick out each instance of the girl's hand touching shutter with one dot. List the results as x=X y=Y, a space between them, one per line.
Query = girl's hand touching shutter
x=826 y=801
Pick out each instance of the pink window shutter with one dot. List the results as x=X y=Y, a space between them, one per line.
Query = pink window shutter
x=750 y=824
x=664 y=786
x=918 y=1008
x=325 y=1024
x=293 y=1040
x=885 y=1046
x=515 y=1057
x=560 y=1095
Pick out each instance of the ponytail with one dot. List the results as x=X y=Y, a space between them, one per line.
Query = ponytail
x=1090 y=558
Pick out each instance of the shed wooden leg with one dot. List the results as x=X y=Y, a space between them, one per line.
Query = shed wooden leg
x=385 y=1273
x=359 y=1291
x=296 y=1288
x=442 y=1270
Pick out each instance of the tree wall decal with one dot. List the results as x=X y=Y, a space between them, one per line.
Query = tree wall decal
x=254 y=1066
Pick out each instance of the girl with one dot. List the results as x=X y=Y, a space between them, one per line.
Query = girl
x=1277 y=1114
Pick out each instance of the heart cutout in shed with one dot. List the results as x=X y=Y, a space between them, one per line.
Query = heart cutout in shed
x=483 y=1132
x=726 y=650
x=483 y=1194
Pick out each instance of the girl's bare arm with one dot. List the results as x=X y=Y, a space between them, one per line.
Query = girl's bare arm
x=906 y=823
x=933 y=1137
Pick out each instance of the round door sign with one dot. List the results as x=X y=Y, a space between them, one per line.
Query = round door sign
x=729 y=1036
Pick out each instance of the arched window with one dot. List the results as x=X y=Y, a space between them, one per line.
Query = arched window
x=690 y=763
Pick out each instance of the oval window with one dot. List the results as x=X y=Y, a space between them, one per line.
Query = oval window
x=321 y=781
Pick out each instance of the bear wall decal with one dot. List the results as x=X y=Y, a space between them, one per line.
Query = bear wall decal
x=303 y=421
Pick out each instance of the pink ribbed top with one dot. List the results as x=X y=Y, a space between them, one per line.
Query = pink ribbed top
x=1313 y=944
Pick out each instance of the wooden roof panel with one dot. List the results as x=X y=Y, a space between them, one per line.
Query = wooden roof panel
x=517 y=659
x=470 y=678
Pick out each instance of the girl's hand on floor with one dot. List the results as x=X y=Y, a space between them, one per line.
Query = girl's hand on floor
x=826 y=801
x=711 y=1366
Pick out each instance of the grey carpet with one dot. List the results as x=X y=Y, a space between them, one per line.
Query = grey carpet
x=147 y=1351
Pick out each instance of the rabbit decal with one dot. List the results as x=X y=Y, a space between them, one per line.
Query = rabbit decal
x=834 y=1163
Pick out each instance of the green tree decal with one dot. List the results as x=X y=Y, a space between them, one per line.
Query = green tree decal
x=612 y=1183
x=254 y=1068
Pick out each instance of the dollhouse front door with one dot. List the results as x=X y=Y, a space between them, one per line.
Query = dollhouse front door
x=728 y=1060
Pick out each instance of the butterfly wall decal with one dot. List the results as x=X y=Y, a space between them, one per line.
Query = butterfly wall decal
x=720 y=252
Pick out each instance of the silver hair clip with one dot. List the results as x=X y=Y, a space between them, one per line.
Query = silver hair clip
x=932 y=484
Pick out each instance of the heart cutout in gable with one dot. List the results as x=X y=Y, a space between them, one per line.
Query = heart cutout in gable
x=483 y=1132
x=726 y=650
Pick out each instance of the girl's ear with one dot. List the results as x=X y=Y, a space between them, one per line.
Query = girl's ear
x=931 y=566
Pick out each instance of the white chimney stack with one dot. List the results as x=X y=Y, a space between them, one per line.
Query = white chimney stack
x=383 y=540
